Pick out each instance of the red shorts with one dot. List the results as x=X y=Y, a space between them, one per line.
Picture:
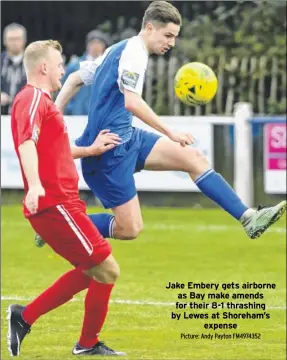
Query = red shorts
x=71 y=234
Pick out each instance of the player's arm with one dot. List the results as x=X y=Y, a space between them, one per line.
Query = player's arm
x=29 y=116
x=136 y=105
x=132 y=66
x=29 y=161
x=75 y=81
x=70 y=88
x=104 y=141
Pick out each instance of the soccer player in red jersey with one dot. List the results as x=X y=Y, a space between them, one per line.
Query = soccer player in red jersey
x=52 y=204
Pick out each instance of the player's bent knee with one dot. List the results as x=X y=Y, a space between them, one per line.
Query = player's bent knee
x=107 y=275
x=107 y=272
x=133 y=231
x=110 y=275
x=128 y=231
x=199 y=156
x=198 y=162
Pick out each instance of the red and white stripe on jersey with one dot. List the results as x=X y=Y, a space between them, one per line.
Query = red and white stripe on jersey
x=73 y=225
x=27 y=114
x=34 y=104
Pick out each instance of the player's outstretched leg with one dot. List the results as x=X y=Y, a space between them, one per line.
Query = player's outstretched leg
x=21 y=318
x=17 y=329
x=256 y=222
x=167 y=155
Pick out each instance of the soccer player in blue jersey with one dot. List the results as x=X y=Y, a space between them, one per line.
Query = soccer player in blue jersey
x=117 y=79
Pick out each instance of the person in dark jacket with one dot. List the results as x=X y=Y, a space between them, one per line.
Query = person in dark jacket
x=13 y=76
x=96 y=43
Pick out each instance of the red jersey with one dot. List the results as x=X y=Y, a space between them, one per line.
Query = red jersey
x=34 y=116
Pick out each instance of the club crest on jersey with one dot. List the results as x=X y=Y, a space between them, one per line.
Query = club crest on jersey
x=130 y=78
x=35 y=133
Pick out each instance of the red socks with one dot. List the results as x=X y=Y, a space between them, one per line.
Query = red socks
x=59 y=293
x=96 y=308
x=71 y=283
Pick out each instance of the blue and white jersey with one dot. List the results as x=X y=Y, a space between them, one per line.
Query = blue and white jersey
x=122 y=65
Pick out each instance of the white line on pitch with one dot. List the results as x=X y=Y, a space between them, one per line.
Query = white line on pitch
x=126 y=302
x=172 y=227
x=199 y=228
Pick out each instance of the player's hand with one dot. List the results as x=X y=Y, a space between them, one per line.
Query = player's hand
x=182 y=138
x=104 y=141
x=32 y=198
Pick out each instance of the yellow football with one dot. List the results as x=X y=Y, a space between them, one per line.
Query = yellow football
x=195 y=84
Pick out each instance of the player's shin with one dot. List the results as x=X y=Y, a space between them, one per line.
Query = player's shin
x=103 y=277
x=59 y=293
x=96 y=308
x=217 y=189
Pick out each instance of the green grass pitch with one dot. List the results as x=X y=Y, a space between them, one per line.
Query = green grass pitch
x=176 y=245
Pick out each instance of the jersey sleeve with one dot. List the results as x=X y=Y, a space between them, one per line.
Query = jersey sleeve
x=87 y=71
x=29 y=114
x=132 y=68
x=88 y=68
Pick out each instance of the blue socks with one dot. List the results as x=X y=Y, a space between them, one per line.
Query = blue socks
x=104 y=222
x=217 y=189
x=210 y=183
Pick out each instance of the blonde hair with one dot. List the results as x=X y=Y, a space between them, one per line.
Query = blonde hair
x=37 y=50
x=161 y=13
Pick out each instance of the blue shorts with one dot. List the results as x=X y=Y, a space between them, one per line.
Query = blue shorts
x=112 y=179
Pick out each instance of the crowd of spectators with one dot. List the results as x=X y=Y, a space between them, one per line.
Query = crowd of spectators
x=13 y=76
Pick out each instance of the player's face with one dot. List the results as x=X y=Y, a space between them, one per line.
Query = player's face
x=162 y=39
x=54 y=69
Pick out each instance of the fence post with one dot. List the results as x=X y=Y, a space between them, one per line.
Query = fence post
x=243 y=153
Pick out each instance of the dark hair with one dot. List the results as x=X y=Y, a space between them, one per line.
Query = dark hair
x=98 y=35
x=161 y=13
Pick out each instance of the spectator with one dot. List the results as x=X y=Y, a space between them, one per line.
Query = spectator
x=128 y=33
x=96 y=43
x=13 y=76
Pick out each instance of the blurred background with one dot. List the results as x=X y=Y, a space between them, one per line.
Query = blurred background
x=244 y=42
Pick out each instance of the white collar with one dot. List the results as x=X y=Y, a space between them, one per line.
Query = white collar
x=143 y=44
